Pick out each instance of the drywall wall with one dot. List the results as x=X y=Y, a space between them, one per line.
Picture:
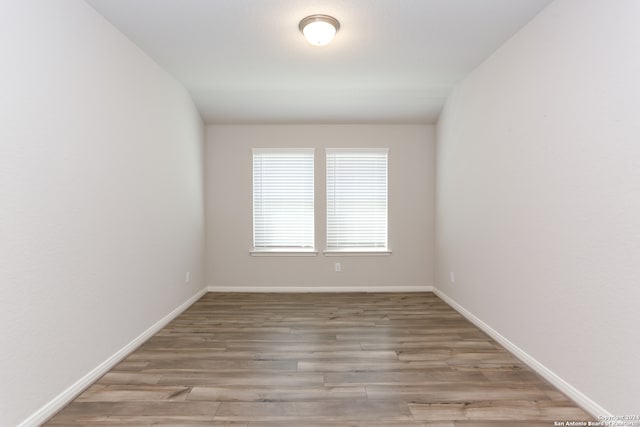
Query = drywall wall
x=538 y=196
x=229 y=208
x=101 y=198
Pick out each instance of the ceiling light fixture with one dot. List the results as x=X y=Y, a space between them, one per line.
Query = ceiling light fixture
x=319 y=29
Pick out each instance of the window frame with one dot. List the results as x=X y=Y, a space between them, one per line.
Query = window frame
x=285 y=250
x=355 y=250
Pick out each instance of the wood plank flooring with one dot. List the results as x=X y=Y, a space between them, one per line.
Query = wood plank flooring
x=349 y=359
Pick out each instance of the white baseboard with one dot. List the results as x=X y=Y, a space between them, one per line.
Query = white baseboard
x=583 y=401
x=310 y=289
x=60 y=401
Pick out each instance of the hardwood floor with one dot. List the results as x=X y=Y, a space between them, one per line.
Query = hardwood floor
x=353 y=359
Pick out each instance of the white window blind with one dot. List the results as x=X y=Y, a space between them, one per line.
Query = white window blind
x=283 y=211
x=357 y=200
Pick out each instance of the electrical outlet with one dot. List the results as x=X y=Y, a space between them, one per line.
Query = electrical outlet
x=338 y=267
x=187 y=277
x=452 y=276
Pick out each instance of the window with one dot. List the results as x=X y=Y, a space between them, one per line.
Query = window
x=357 y=200
x=283 y=211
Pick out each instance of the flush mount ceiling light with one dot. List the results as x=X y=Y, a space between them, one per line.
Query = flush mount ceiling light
x=319 y=29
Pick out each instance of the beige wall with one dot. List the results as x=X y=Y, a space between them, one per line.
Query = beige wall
x=101 y=199
x=229 y=208
x=538 y=196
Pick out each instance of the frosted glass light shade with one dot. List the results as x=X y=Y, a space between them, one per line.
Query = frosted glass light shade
x=319 y=30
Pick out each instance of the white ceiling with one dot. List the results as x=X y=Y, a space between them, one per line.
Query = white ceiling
x=245 y=61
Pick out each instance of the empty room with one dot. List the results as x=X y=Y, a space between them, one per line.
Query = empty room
x=278 y=213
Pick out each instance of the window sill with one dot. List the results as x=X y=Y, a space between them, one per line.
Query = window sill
x=357 y=252
x=283 y=252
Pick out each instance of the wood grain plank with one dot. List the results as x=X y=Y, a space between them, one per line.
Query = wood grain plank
x=320 y=360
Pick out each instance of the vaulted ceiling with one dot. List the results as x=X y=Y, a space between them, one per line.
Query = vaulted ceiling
x=245 y=61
